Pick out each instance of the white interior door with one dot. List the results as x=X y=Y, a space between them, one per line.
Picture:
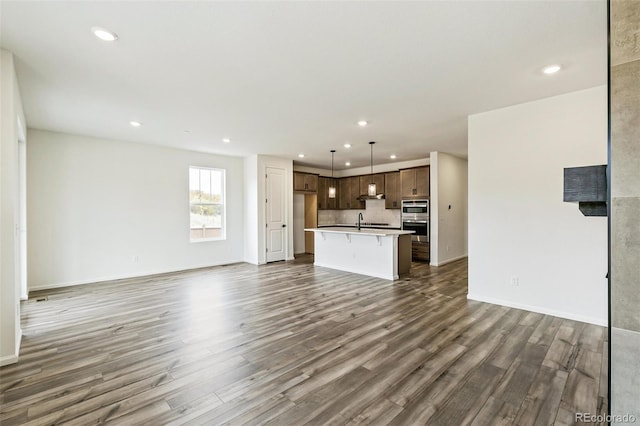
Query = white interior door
x=276 y=215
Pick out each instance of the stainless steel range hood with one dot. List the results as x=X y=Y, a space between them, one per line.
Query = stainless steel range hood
x=364 y=197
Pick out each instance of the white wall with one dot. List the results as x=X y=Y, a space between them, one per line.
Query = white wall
x=251 y=209
x=10 y=115
x=518 y=224
x=255 y=220
x=448 y=205
x=95 y=204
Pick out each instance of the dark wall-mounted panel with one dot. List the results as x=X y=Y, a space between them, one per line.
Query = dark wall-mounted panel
x=593 y=209
x=588 y=187
x=585 y=184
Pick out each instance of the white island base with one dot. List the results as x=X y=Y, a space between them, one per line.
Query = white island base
x=378 y=253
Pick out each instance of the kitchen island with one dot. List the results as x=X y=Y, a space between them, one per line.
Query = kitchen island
x=381 y=253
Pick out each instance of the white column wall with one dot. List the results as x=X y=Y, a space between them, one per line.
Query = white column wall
x=11 y=116
x=527 y=248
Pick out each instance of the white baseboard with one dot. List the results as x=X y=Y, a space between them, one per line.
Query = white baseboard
x=9 y=359
x=126 y=276
x=13 y=358
x=453 y=259
x=540 y=310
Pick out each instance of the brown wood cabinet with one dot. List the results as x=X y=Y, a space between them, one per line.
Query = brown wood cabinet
x=354 y=183
x=414 y=183
x=348 y=189
x=365 y=180
x=392 y=190
x=420 y=251
x=332 y=203
x=348 y=193
x=311 y=183
x=344 y=193
x=306 y=182
x=322 y=193
x=324 y=202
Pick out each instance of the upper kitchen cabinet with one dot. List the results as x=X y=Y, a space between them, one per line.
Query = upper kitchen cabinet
x=414 y=183
x=365 y=180
x=324 y=202
x=348 y=193
x=344 y=193
x=332 y=203
x=354 y=184
x=392 y=190
x=305 y=182
x=322 y=193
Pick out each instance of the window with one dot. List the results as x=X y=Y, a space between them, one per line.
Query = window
x=206 y=204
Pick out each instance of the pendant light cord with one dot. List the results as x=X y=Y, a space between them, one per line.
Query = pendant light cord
x=333 y=151
x=371 y=144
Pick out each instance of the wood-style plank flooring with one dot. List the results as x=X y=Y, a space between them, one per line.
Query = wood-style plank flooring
x=292 y=344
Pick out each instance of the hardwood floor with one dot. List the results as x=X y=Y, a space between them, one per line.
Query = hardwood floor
x=291 y=344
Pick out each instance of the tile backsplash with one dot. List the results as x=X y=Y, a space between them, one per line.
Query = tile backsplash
x=374 y=212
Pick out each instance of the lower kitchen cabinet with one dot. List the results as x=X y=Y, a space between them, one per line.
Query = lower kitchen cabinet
x=420 y=251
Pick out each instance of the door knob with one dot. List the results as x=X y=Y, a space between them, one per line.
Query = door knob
x=284 y=226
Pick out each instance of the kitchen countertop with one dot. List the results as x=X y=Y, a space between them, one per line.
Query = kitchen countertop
x=364 y=231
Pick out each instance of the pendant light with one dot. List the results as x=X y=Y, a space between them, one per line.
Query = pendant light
x=332 y=187
x=372 y=190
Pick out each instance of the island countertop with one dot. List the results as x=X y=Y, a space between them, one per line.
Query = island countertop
x=363 y=231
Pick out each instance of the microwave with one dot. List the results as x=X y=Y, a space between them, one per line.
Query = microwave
x=415 y=209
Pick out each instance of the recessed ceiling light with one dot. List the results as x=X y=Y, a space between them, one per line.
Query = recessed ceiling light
x=135 y=123
x=347 y=163
x=551 y=69
x=187 y=132
x=392 y=156
x=103 y=34
x=347 y=145
x=226 y=140
x=301 y=155
x=362 y=123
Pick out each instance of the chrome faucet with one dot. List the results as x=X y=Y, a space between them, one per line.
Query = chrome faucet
x=360 y=217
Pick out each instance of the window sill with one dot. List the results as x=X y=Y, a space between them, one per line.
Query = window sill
x=206 y=240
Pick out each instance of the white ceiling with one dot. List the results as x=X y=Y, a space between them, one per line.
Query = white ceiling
x=280 y=78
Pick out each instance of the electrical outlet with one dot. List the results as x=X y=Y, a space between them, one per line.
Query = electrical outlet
x=135 y=259
x=514 y=280
x=447 y=248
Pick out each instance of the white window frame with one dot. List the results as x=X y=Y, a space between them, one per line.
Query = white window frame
x=223 y=225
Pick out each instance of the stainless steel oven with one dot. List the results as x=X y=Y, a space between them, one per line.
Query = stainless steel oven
x=421 y=228
x=415 y=217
